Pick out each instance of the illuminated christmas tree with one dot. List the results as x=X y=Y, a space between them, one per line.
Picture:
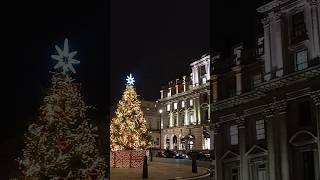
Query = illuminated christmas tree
x=128 y=130
x=61 y=143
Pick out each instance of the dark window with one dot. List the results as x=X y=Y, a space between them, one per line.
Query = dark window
x=308 y=165
x=298 y=25
x=204 y=97
x=260 y=46
x=304 y=113
x=202 y=70
x=235 y=174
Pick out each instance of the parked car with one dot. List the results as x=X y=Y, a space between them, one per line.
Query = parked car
x=182 y=156
x=169 y=154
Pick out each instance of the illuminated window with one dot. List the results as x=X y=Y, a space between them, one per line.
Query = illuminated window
x=168 y=107
x=175 y=105
x=256 y=79
x=301 y=60
x=182 y=104
x=191 y=102
x=234 y=135
x=260 y=129
x=204 y=80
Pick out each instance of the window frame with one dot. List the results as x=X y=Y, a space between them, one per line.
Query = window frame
x=304 y=62
x=234 y=134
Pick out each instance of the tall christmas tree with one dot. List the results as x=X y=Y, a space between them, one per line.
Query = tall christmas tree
x=128 y=129
x=61 y=143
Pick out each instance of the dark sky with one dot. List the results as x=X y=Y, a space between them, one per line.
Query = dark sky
x=39 y=26
x=157 y=40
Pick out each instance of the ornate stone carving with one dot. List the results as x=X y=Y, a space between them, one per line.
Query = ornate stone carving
x=265 y=21
x=315 y=96
x=241 y=122
x=216 y=128
x=276 y=16
x=276 y=107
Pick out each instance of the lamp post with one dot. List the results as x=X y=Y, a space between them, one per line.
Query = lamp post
x=160 y=112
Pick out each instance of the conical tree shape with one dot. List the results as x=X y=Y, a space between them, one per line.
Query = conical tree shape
x=128 y=129
x=61 y=144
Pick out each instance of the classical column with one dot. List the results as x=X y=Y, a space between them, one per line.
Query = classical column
x=282 y=118
x=198 y=110
x=315 y=95
x=268 y=114
x=314 y=28
x=244 y=169
x=237 y=71
x=218 y=152
x=277 y=55
x=186 y=119
x=214 y=88
x=267 y=49
x=277 y=155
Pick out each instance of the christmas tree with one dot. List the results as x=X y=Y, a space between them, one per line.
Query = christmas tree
x=128 y=129
x=61 y=143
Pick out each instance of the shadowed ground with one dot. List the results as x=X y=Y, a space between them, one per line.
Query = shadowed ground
x=157 y=170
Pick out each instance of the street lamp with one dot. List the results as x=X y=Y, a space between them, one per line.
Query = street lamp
x=160 y=112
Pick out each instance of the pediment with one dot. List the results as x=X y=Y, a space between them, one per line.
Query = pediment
x=302 y=138
x=256 y=150
x=230 y=155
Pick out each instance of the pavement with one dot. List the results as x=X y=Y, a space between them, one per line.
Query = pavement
x=162 y=169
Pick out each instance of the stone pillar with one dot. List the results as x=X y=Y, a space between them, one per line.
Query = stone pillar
x=267 y=49
x=184 y=84
x=315 y=95
x=314 y=28
x=161 y=94
x=186 y=119
x=214 y=88
x=244 y=169
x=276 y=40
x=237 y=71
x=198 y=110
x=218 y=152
x=277 y=164
x=282 y=117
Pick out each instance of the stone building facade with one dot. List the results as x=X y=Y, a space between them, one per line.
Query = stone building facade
x=185 y=107
x=265 y=102
x=152 y=117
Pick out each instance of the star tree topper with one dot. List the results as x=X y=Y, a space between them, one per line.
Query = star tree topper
x=65 y=58
x=130 y=80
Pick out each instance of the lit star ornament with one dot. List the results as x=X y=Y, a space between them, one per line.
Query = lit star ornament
x=65 y=58
x=130 y=80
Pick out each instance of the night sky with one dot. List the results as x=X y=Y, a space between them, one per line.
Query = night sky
x=38 y=28
x=157 y=40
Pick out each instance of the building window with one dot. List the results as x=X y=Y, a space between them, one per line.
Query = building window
x=191 y=102
x=190 y=144
x=234 y=135
x=204 y=80
x=175 y=105
x=260 y=131
x=298 y=25
x=192 y=119
x=256 y=80
x=234 y=173
x=301 y=60
x=202 y=70
x=206 y=143
x=305 y=113
x=182 y=104
x=168 y=107
x=260 y=46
